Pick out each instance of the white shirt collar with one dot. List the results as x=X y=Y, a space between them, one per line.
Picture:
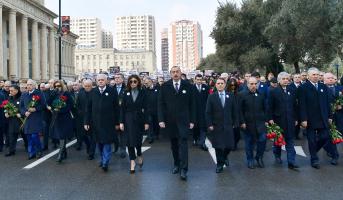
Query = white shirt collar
x=103 y=89
x=179 y=82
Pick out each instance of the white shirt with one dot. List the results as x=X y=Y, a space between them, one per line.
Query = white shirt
x=179 y=84
x=103 y=89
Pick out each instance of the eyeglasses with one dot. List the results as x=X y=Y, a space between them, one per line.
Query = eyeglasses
x=59 y=86
x=134 y=81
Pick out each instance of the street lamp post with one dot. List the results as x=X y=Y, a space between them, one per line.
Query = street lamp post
x=337 y=66
x=59 y=43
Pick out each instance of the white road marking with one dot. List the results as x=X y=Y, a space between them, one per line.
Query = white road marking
x=298 y=149
x=46 y=157
x=211 y=150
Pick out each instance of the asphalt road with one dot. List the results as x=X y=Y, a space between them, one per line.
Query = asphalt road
x=79 y=178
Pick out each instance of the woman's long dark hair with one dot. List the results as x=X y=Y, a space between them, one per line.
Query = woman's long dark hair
x=139 y=84
x=18 y=95
x=230 y=83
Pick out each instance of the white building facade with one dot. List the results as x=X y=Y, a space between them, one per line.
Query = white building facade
x=136 y=32
x=28 y=42
x=185 y=41
x=97 y=60
x=107 y=39
x=89 y=31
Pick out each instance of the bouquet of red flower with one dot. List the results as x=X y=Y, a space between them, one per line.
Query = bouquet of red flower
x=59 y=103
x=336 y=136
x=10 y=108
x=275 y=132
x=32 y=104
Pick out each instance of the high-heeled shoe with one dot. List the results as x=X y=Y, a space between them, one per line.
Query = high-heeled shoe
x=140 y=161
x=132 y=171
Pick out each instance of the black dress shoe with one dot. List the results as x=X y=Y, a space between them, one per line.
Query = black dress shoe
x=334 y=161
x=260 y=163
x=183 y=175
x=278 y=160
x=292 y=166
x=116 y=147
x=219 y=169
x=251 y=165
x=151 y=141
x=176 y=170
x=100 y=164
x=32 y=157
x=78 y=148
x=90 y=157
x=9 y=154
x=204 y=147
x=105 y=168
x=315 y=165
x=45 y=148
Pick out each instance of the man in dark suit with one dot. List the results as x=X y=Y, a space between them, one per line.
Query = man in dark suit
x=120 y=140
x=253 y=120
x=102 y=117
x=294 y=87
x=80 y=108
x=316 y=116
x=201 y=94
x=34 y=124
x=176 y=113
x=221 y=116
x=283 y=111
x=152 y=99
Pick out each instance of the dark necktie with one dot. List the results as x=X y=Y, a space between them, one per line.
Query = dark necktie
x=177 y=87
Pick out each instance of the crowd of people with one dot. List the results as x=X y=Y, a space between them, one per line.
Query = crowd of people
x=114 y=114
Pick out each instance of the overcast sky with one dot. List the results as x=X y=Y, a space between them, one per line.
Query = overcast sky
x=164 y=11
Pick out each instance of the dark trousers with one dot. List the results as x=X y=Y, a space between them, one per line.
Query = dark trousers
x=2 y=134
x=179 y=148
x=154 y=130
x=90 y=143
x=12 y=137
x=105 y=152
x=237 y=135
x=120 y=141
x=132 y=153
x=34 y=144
x=199 y=135
x=46 y=133
x=24 y=139
x=317 y=139
x=289 y=148
x=251 y=141
x=221 y=155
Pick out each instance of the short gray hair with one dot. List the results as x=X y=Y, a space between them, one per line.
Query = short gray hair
x=30 y=81
x=282 y=75
x=87 y=81
x=313 y=69
x=103 y=76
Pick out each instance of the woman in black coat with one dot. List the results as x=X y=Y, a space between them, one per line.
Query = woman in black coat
x=134 y=119
x=232 y=87
x=61 y=126
x=14 y=122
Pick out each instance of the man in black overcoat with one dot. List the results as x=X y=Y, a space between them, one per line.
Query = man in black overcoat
x=102 y=116
x=176 y=113
x=253 y=120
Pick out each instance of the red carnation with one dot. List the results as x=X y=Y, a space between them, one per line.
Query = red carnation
x=35 y=97
x=4 y=103
x=63 y=98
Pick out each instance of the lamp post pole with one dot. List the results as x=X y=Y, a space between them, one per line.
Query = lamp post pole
x=59 y=43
